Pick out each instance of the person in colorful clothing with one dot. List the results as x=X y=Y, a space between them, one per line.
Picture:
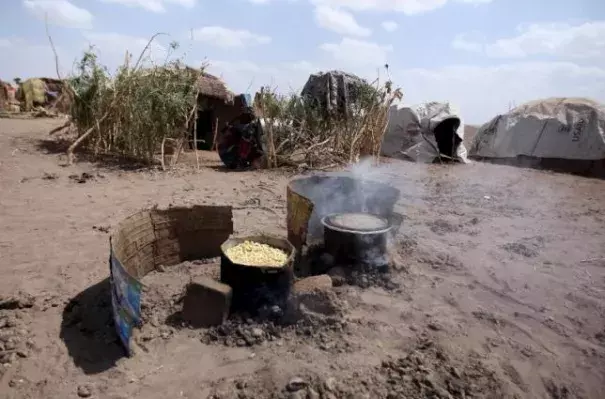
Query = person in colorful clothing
x=239 y=145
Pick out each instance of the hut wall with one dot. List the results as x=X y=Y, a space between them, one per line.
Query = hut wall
x=213 y=109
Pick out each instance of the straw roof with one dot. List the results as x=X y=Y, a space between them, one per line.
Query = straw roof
x=212 y=86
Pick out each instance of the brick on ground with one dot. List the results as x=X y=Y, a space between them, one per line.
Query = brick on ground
x=206 y=302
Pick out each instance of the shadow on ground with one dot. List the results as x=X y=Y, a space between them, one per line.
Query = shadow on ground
x=88 y=330
x=224 y=169
x=53 y=146
x=59 y=146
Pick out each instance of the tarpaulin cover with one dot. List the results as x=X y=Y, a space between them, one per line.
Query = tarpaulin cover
x=333 y=91
x=410 y=132
x=563 y=128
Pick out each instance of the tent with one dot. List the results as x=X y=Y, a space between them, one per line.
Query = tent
x=425 y=133
x=565 y=134
x=333 y=91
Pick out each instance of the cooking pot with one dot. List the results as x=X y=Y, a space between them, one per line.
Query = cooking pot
x=357 y=239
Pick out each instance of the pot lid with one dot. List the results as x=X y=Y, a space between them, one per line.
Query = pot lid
x=356 y=221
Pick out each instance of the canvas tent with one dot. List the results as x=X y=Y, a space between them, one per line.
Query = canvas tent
x=424 y=132
x=566 y=134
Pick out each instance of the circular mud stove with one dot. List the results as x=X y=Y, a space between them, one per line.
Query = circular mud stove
x=357 y=239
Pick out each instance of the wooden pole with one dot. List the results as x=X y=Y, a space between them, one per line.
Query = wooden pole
x=214 y=144
x=197 y=159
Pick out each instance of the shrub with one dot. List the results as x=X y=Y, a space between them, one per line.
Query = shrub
x=297 y=132
x=132 y=113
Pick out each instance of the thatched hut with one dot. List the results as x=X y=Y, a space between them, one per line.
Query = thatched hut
x=217 y=106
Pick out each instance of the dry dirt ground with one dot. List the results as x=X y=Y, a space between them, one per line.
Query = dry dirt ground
x=501 y=273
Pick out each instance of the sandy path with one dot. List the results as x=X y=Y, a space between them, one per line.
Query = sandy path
x=495 y=260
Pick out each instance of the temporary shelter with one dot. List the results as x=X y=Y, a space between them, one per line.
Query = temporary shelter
x=44 y=92
x=333 y=91
x=565 y=134
x=424 y=133
x=216 y=107
x=6 y=92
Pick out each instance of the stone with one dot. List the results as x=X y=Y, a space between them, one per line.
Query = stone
x=312 y=394
x=429 y=381
x=442 y=393
x=8 y=358
x=296 y=384
x=338 y=275
x=84 y=391
x=330 y=384
x=322 y=282
x=206 y=302
x=257 y=333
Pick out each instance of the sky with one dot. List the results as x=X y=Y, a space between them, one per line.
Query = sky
x=484 y=56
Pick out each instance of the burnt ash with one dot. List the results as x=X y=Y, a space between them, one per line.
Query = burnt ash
x=316 y=261
x=318 y=317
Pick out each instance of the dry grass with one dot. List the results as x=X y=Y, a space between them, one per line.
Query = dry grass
x=296 y=133
x=136 y=111
x=132 y=113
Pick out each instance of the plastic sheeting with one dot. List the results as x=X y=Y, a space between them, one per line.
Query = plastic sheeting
x=411 y=132
x=34 y=93
x=333 y=91
x=560 y=128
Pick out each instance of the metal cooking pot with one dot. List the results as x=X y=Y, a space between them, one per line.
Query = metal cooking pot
x=357 y=239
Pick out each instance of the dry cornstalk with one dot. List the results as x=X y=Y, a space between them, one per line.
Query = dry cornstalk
x=75 y=144
x=59 y=128
x=139 y=107
x=162 y=154
x=175 y=155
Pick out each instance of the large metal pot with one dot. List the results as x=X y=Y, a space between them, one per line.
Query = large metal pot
x=357 y=239
x=255 y=287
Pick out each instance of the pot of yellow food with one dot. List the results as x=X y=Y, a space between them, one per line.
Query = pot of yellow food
x=259 y=269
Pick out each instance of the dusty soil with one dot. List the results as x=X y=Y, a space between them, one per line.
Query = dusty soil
x=500 y=276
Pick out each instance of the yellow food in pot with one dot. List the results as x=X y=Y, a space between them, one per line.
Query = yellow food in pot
x=250 y=253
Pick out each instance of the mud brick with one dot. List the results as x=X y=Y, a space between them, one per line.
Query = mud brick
x=322 y=282
x=206 y=302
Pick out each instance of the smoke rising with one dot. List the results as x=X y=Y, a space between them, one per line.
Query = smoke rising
x=362 y=187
